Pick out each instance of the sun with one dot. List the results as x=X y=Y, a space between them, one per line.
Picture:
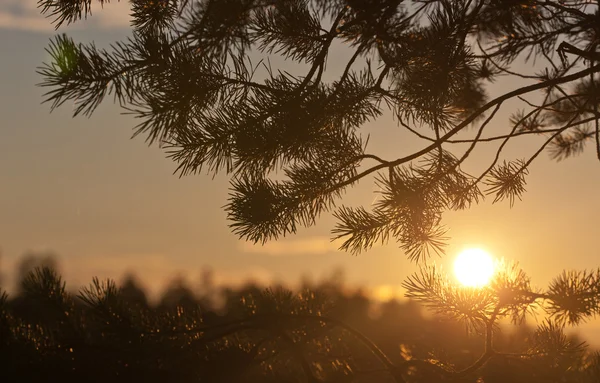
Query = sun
x=474 y=267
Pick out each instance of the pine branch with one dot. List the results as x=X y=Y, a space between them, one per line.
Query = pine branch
x=470 y=119
x=186 y=74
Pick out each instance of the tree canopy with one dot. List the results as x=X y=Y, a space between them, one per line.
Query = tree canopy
x=292 y=143
x=322 y=333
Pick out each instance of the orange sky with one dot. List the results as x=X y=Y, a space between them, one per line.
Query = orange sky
x=108 y=204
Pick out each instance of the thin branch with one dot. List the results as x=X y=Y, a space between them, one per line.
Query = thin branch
x=501 y=68
x=367 y=156
x=320 y=59
x=507 y=138
x=360 y=336
x=548 y=141
x=310 y=377
x=350 y=63
x=526 y=132
x=416 y=133
x=467 y=121
x=572 y=11
x=595 y=101
x=565 y=47
x=381 y=77
x=259 y=322
x=485 y=357
x=477 y=137
x=540 y=39
x=489 y=330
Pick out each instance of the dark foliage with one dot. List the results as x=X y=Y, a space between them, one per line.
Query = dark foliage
x=293 y=143
x=323 y=333
x=187 y=75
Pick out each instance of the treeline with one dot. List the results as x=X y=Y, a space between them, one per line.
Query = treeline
x=323 y=332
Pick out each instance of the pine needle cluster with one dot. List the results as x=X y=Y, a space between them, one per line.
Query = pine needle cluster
x=100 y=334
x=291 y=143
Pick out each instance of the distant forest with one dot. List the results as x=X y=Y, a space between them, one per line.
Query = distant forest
x=110 y=332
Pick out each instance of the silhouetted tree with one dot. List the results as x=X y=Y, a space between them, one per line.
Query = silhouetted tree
x=178 y=294
x=29 y=262
x=35 y=259
x=187 y=74
x=207 y=289
x=132 y=292
x=262 y=335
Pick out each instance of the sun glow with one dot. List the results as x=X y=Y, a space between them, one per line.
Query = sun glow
x=474 y=267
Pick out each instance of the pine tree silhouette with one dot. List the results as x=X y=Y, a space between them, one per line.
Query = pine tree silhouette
x=187 y=75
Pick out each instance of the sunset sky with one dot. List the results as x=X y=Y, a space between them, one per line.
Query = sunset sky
x=107 y=204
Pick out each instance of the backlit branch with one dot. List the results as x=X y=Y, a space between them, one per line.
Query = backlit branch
x=187 y=76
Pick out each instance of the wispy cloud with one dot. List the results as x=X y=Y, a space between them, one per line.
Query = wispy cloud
x=291 y=247
x=24 y=15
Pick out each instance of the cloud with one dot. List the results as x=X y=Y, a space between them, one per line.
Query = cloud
x=24 y=15
x=290 y=247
